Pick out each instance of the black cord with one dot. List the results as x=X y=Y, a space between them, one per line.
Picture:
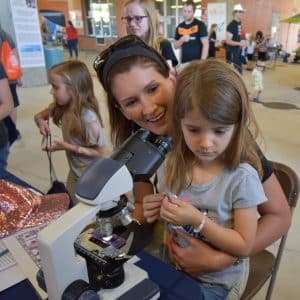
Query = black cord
x=51 y=169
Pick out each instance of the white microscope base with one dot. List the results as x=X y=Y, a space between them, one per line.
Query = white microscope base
x=133 y=276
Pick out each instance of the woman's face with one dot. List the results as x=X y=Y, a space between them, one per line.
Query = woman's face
x=145 y=97
x=140 y=28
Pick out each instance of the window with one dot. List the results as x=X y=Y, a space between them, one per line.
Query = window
x=101 y=19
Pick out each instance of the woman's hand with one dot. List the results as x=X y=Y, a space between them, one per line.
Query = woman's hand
x=180 y=212
x=199 y=258
x=151 y=206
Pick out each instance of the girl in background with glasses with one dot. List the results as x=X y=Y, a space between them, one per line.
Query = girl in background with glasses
x=75 y=109
x=140 y=92
x=141 y=19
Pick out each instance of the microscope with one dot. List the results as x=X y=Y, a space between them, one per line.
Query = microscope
x=80 y=261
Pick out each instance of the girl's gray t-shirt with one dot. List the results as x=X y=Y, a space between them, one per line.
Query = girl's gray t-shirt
x=231 y=189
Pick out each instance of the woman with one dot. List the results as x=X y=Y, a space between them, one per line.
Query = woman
x=212 y=37
x=141 y=19
x=140 y=92
x=261 y=45
x=72 y=39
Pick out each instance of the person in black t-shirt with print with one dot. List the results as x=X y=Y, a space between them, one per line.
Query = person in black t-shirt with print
x=191 y=36
x=233 y=38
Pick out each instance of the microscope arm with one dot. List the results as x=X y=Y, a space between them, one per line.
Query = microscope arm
x=59 y=262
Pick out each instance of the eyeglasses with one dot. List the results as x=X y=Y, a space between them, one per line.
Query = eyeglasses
x=136 y=19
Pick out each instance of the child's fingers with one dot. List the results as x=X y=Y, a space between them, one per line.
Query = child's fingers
x=167 y=215
x=173 y=201
x=151 y=215
x=152 y=201
x=152 y=219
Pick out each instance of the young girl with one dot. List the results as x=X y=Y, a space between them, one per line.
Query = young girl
x=74 y=109
x=212 y=165
x=257 y=80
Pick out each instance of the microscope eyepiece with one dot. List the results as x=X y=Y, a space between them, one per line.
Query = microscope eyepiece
x=143 y=153
x=143 y=134
x=163 y=143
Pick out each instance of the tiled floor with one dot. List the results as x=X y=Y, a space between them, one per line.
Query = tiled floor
x=280 y=128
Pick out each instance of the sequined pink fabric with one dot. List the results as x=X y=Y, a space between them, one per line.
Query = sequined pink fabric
x=21 y=208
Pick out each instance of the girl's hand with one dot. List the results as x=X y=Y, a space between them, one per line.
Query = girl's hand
x=179 y=212
x=57 y=146
x=151 y=206
x=43 y=126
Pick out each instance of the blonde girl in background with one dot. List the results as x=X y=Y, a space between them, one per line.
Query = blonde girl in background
x=141 y=19
x=212 y=38
x=75 y=110
x=213 y=164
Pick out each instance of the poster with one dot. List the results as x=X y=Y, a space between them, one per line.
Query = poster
x=28 y=35
x=216 y=14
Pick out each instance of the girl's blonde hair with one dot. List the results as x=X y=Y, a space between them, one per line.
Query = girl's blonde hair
x=77 y=78
x=218 y=92
x=154 y=37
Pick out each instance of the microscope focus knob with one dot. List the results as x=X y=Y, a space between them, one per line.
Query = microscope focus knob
x=80 y=290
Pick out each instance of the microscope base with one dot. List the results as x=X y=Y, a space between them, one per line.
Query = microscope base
x=133 y=276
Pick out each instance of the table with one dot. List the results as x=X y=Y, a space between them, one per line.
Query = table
x=23 y=290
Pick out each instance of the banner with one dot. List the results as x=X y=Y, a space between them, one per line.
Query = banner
x=216 y=14
x=28 y=34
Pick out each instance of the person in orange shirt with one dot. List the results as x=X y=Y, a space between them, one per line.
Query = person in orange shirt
x=72 y=39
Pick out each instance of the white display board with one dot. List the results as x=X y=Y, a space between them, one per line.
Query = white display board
x=28 y=35
x=216 y=14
